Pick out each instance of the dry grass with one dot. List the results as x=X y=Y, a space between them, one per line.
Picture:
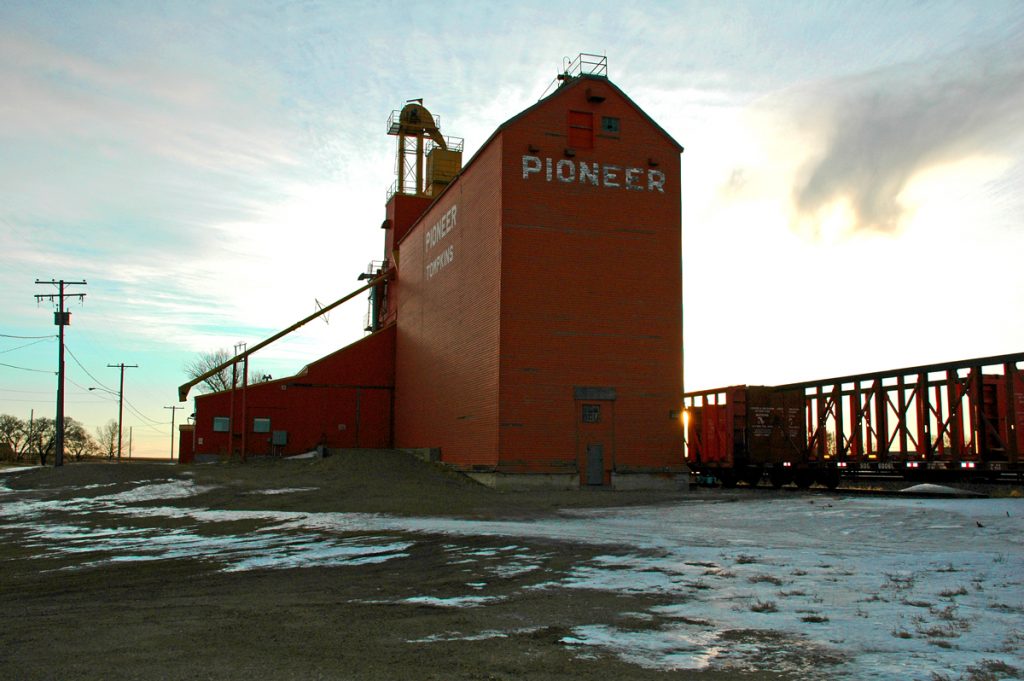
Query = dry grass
x=765 y=579
x=986 y=670
x=764 y=606
x=940 y=631
x=899 y=582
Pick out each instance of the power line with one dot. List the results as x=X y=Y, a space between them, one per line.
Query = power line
x=82 y=366
x=7 y=335
x=131 y=407
x=102 y=394
x=41 y=371
x=27 y=345
x=135 y=410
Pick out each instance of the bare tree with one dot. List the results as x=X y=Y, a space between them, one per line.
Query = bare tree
x=204 y=362
x=38 y=438
x=14 y=435
x=77 y=441
x=207 y=361
x=41 y=438
x=106 y=436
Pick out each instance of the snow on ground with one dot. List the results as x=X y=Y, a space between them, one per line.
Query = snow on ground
x=869 y=588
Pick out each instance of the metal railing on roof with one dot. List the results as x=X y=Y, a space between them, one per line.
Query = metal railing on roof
x=585 y=64
x=453 y=144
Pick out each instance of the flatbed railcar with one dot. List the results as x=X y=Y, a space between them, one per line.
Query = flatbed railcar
x=953 y=421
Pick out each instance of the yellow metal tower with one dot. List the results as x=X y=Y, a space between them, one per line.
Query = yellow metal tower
x=443 y=154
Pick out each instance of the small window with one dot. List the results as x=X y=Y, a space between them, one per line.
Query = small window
x=261 y=425
x=609 y=124
x=279 y=437
x=591 y=413
x=221 y=424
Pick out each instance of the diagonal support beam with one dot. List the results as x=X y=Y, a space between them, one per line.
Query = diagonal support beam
x=184 y=388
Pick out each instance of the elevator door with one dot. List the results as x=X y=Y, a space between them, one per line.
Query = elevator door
x=595 y=441
x=595 y=464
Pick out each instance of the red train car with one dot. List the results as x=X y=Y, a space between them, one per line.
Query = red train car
x=942 y=421
x=743 y=433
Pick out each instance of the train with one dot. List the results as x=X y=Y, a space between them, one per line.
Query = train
x=955 y=421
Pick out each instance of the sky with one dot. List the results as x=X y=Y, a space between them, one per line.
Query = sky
x=851 y=187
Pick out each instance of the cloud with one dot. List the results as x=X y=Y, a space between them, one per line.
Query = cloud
x=883 y=128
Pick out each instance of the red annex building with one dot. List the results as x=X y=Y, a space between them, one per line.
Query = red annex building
x=527 y=323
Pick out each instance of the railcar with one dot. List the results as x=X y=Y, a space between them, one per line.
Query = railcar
x=952 y=421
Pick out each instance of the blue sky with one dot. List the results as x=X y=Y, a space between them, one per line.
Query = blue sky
x=851 y=183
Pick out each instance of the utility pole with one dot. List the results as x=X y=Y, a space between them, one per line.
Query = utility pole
x=61 y=318
x=129 y=443
x=120 y=402
x=173 y=410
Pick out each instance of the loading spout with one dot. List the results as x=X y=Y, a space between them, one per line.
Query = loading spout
x=184 y=388
x=416 y=120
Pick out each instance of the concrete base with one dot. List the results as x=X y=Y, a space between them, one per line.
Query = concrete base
x=623 y=482
x=428 y=454
x=526 y=481
x=667 y=482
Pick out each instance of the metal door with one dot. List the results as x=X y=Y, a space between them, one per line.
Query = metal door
x=595 y=464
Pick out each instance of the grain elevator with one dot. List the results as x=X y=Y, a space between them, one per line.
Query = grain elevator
x=526 y=318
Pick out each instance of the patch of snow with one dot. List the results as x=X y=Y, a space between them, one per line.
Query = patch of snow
x=937 y=490
x=664 y=651
x=452 y=602
x=481 y=636
x=283 y=490
x=305 y=455
x=172 y=489
x=235 y=552
x=16 y=469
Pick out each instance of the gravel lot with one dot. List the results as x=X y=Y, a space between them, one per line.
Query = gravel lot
x=374 y=565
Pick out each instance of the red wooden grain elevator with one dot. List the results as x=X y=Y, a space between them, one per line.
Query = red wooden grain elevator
x=534 y=298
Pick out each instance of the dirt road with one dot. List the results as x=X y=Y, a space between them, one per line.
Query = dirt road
x=372 y=565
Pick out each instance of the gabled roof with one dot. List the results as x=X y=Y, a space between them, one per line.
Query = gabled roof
x=570 y=84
